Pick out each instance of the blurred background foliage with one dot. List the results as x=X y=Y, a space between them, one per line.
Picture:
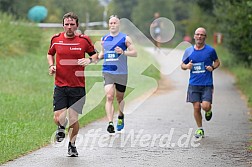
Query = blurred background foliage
x=231 y=18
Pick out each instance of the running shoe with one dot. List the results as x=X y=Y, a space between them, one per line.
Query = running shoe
x=72 y=151
x=199 y=133
x=120 y=123
x=111 y=128
x=60 y=132
x=208 y=115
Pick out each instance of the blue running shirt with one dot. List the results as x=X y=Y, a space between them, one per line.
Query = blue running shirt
x=199 y=76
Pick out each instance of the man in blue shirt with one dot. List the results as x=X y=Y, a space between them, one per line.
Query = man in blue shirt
x=116 y=47
x=201 y=59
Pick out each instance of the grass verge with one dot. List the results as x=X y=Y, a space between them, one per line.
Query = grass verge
x=243 y=75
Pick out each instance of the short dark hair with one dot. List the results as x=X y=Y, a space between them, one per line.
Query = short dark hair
x=71 y=15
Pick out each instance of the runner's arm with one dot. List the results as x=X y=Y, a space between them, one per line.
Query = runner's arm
x=186 y=66
x=216 y=64
x=52 y=67
x=101 y=54
x=131 y=50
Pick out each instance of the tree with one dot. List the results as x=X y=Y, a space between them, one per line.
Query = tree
x=123 y=8
x=5 y=6
x=235 y=22
x=206 y=6
x=56 y=8
x=143 y=13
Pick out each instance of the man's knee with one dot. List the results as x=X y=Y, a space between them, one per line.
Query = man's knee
x=59 y=115
x=206 y=106
x=110 y=97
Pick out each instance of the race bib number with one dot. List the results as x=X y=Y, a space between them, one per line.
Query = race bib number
x=198 y=67
x=111 y=56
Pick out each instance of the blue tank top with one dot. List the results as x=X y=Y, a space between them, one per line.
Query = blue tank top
x=114 y=63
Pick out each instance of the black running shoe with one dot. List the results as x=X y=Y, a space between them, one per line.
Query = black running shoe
x=72 y=151
x=208 y=115
x=111 y=128
x=60 y=133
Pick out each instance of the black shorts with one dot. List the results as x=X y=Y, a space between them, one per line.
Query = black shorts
x=68 y=97
x=120 y=80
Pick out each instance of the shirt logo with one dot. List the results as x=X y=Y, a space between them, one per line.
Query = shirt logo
x=75 y=48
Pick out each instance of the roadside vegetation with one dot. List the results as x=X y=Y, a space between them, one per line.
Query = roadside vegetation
x=241 y=71
x=243 y=77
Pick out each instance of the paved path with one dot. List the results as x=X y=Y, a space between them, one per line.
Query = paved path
x=160 y=133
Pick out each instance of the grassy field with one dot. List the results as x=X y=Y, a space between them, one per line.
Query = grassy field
x=26 y=117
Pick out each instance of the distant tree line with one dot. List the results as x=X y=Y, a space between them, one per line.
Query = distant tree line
x=56 y=8
x=232 y=18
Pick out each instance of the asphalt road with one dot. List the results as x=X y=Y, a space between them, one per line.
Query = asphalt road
x=160 y=133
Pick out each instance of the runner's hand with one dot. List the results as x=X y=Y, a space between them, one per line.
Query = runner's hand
x=84 y=61
x=209 y=68
x=189 y=65
x=52 y=70
x=118 y=50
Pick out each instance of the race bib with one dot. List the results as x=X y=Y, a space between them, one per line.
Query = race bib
x=111 y=56
x=198 y=67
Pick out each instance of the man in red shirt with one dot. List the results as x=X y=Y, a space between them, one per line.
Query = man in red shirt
x=69 y=91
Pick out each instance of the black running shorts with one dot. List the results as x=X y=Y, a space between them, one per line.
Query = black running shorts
x=68 y=97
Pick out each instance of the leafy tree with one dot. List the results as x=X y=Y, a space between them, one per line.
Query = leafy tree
x=56 y=8
x=17 y=8
x=182 y=17
x=142 y=15
x=206 y=6
x=235 y=22
x=5 y=6
x=123 y=9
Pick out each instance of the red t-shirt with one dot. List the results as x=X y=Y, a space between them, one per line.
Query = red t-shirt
x=68 y=51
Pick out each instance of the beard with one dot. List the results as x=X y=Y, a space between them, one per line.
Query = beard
x=70 y=33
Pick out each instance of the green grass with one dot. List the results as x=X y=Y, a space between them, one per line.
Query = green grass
x=21 y=37
x=244 y=80
x=25 y=105
x=242 y=72
x=26 y=117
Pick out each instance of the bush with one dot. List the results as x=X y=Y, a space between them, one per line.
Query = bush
x=17 y=36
